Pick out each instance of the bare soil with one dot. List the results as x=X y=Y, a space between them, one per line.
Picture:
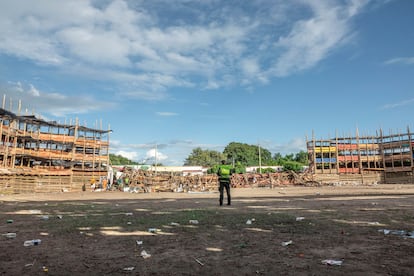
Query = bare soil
x=97 y=233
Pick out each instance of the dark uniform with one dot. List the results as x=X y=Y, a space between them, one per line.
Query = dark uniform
x=224 y=173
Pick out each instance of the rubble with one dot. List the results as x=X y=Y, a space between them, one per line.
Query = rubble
x=141 y=181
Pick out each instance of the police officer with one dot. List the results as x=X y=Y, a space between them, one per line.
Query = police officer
x=224 y=173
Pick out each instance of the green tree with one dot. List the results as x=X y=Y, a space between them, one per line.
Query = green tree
x=266 y=170
x=205 y=158
x=278 y=159
x=247 y=155
x=302 y=157
x=120 y=160
x=292 y=166
x=289 y=157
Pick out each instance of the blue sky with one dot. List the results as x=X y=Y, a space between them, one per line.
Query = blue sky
x=182 y=74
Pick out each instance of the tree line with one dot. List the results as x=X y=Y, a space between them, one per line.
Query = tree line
x=245 y=155
x=240 y=155
x=120 y=160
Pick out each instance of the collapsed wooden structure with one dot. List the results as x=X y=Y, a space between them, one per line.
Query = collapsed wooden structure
x=390 y=156
x=45 y=156
x=149 y=181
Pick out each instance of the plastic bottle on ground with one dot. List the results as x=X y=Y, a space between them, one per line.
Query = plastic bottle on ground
x=32 y=242
x=10 y=235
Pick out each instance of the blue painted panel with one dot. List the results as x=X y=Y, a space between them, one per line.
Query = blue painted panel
x=325 y=160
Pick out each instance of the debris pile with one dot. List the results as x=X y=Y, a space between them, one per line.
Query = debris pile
x=140 y=181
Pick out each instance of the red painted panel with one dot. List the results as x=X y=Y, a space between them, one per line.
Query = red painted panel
x=348 y=170
x=347 y=146
x=348 y=158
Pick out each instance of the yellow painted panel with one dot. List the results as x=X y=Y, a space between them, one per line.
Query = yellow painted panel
x=325 y=149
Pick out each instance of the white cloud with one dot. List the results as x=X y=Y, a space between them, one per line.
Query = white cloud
x=400 y=60
x=292 y=146
x=96 y=46
x=399 y=104
x=146 y=95
x=147 y=47
x=155 y=155
x=33 y=91
x=128 y=154
x=250 y=66
x=52 y=103
x=312 y=40
x=166 y=114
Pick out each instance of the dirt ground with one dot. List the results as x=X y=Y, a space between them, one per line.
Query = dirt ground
x=280 y=231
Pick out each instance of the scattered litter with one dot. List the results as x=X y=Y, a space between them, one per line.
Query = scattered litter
x=59 y=216
x=144 y=254
x=129 y=223
x=300 y=218
x=30 y=264
x=174 y=224
x=10 y=235
x=153 y=230
x=402 y=233
x=35 y=211
x=287 y=243
x=140 y=242
x=129 y=268
x=193 y=221
x=45 y=269
x=198 y=261
x=9 y=221
x=249 y=221
x=332 y=262
x=32 y=242
x=128 y=214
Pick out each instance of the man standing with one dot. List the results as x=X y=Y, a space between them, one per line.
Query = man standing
x=224 y=173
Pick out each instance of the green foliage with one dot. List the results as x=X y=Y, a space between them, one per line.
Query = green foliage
x=244 y=155
x=120 y=160
x=205 y=158
x=247 y=155
x=266 y=170
x=213 y=169
x=292 y=166
x=239 y=168
x=302 y=157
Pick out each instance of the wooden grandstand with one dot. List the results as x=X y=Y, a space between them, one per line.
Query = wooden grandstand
x=391 y=156
x=40 y=155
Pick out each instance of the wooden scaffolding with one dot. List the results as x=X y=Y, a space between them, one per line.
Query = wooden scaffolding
x=389 y=154
x=31 y=146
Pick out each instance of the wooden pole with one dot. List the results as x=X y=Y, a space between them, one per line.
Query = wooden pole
x=337 y=151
